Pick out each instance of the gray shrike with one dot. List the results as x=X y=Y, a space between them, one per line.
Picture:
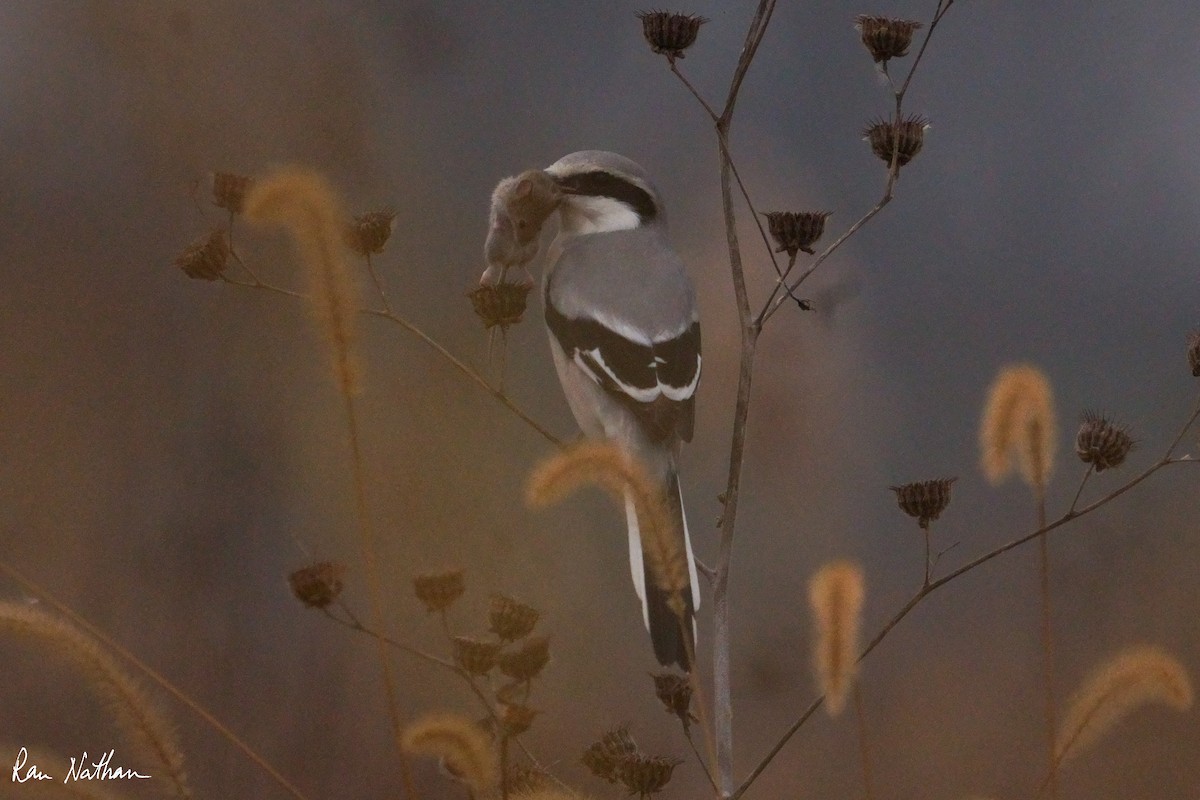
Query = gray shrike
x=625 y=335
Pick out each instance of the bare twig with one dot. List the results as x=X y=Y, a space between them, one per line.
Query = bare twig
x=440 y=349
x=1167 y=460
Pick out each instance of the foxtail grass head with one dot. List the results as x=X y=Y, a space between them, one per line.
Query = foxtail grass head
x=835 y=594
x=1019 y=427
x=465 y=749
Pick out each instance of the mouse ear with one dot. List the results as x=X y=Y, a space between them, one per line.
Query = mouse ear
x=524 y=188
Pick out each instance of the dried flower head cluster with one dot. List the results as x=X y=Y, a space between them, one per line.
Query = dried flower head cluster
x=904 y=137
x=670 y=33
x=438 y=591
x=205 y=259
x=475 y=656
x=925 y=500
x=616 y=758
x=1019 y=419
x=1193 y=353
x=885 y=37
x=796 y=231
x=229 y=191
x=500 y=304
x=526 y=663
x=318 y=585
x=368 y=234
x=511 y=620
x=1101 y=442
x=674 y=691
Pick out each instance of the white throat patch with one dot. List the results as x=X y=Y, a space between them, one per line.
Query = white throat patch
x=584 y=214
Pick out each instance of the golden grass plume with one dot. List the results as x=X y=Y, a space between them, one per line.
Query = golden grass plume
x=464 y=747
x=303 y=202
x=605 y=465
x=1019 y=420
x=149 y=733
x=1133 y=678
x=835 y=594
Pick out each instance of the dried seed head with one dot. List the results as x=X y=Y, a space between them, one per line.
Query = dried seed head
x=796 y=231
x=1194 y=353
x=835 y=595
x=886 y=37
x=475 y=655
x=439 y=591
x=669 y=34
x=645 y=775
x=229 y=190
x=1102 y=442
x=1019 y=419
x=205 y=258
x=517 y=719
x=369 y=233
x=526 y=780
x=925 y=500
x=604 y=757
x=512 y=620
x=525 y=664
x=465 y=749
x=675 y=693
x=500 y=304
x=317 y=585
x=1136 y=677
x=883 y=133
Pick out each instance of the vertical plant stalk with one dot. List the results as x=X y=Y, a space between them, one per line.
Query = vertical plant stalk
x=302 y=202
x=864 y=751
x=1047 y=644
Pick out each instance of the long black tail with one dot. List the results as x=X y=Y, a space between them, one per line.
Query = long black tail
x=672 y=637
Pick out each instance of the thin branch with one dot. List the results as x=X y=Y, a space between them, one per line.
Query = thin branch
x=441 y=350
x=925 y=591
x=145 y=669
x=387 y=306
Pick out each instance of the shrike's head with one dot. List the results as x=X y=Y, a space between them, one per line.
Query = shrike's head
x=604 y=192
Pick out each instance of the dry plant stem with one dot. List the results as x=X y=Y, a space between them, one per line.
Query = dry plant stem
x=374 y=586
x=687 y=733
x=722 y=639
x=383 y=298
x=706 y=726
x=1079 y=492
x=454 y=361
x=1047 y=640
x=1071 y=515
x=776 y=300
x=864 y=753
x=145 y=669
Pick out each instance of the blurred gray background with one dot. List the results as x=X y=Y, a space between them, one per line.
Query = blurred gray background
x=165 y=443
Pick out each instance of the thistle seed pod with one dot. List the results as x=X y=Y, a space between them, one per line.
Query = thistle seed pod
x=205 y=259
x=925 y=500
x=645 y=775
x=317 y=585
x=882 y=136
x=1194 y=353
x=500 y=304
x=517 y=719
x=439 y=591
x=1101 y=442
x=675 y=693
x=512 y=620
x=604 y=757
x=474 y=655
x=229 y=191
x=525 y=664
x=886 y=37
x=368 y=234
x=795 y=232
x=668 y=33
